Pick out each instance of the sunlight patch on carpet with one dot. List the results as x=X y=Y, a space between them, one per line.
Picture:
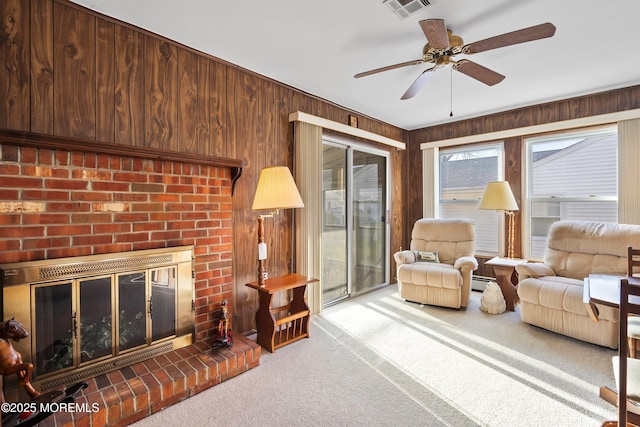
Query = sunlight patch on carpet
x=493 y=368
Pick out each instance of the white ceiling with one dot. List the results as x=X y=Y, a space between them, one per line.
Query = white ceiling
x=317 y=47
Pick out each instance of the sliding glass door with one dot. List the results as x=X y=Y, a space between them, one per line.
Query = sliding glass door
x=334 y=223
x=355 y=231
x=368 y=253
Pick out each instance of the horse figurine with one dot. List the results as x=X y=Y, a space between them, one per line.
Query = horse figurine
x=10 y=359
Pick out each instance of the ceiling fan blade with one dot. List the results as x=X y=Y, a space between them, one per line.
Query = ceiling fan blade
x=436 y=33
x=524 y=35
x=418 y=83
x=389 y=67
x=478 y=72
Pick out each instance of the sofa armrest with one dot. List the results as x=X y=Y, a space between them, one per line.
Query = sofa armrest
x=404 y=257
x=466 y=263
x=533 y=269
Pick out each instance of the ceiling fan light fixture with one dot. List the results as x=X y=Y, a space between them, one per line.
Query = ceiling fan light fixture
x=442 y=45
x=444 y=60
x=456 y=43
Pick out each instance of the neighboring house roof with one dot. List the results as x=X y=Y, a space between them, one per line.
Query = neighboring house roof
x=542 y=154
x=553 y=154
x=472 y=172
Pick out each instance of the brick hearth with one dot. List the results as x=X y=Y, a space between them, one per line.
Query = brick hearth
x=137 y=391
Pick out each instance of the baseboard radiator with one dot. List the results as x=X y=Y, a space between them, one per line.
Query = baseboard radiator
x=478 y=283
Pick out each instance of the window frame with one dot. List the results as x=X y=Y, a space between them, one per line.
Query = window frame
x=498 y=145
x=528 y=199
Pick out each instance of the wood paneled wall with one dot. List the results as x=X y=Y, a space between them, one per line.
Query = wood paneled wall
x=574 y=108
x=71 y=72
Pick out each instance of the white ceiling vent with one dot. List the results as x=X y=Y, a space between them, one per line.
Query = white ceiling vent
x=404 y=8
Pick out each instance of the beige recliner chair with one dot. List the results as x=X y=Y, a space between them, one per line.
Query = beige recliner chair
x=438 y=267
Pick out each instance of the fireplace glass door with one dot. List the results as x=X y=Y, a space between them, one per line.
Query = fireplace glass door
x=96 y=314
x=132 y=310
x=163 y=303
x=53 y=347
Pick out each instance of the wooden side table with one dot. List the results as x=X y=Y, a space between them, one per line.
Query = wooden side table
x=507 y=278
x=283 y=325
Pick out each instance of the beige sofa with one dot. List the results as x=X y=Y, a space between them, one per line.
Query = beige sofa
x=551 y=293
x=445 y=281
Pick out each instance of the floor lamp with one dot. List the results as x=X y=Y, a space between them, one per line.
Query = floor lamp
x=498 y=197
x=276 y=190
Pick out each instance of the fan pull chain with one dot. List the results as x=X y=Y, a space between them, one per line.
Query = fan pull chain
x=451 y=90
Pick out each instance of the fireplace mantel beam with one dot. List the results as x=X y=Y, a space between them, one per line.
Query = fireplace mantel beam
x=53 y=142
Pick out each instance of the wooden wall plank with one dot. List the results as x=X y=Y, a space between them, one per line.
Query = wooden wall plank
x=271 y=150
x=549 y=112
x=242 y=89
x=413 y=191
x=41 y=66
x=129 y=86
x=187 y=110
x=233 y=123
x=513 y=119
x=161 y=95
x=528 y=117
x=221 y=126
x=284 y=128
x=623 y=100
x=75 y=74
x=603 y=103
x=14 y=58
x=584 y=107
x=513 y=174
x=283 y=131
x=635 y=97
x=397 y=208
x=203 y=135
x=105 y=81
x=568 y=109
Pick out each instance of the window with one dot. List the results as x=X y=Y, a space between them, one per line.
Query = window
x=572 y=176
x=464 y=173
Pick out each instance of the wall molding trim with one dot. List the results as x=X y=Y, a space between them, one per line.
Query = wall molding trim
x=602 y=119
x=299 y=116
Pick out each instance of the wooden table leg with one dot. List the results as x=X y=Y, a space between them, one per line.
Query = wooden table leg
x=298 y=304
x=505 y=276
x=265 y=323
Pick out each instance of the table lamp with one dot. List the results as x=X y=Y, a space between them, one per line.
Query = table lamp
x=498 y=196
x=276 y=190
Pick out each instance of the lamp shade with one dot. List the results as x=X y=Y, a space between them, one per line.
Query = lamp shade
x=498 y=197
x=276 y=190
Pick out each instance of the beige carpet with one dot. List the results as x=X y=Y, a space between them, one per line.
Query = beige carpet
x=377 y=360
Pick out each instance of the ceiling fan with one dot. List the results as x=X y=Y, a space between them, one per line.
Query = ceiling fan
x=442 y=45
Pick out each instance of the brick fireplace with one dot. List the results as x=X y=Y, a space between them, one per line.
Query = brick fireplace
x=56 y=204
x=58 y=201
